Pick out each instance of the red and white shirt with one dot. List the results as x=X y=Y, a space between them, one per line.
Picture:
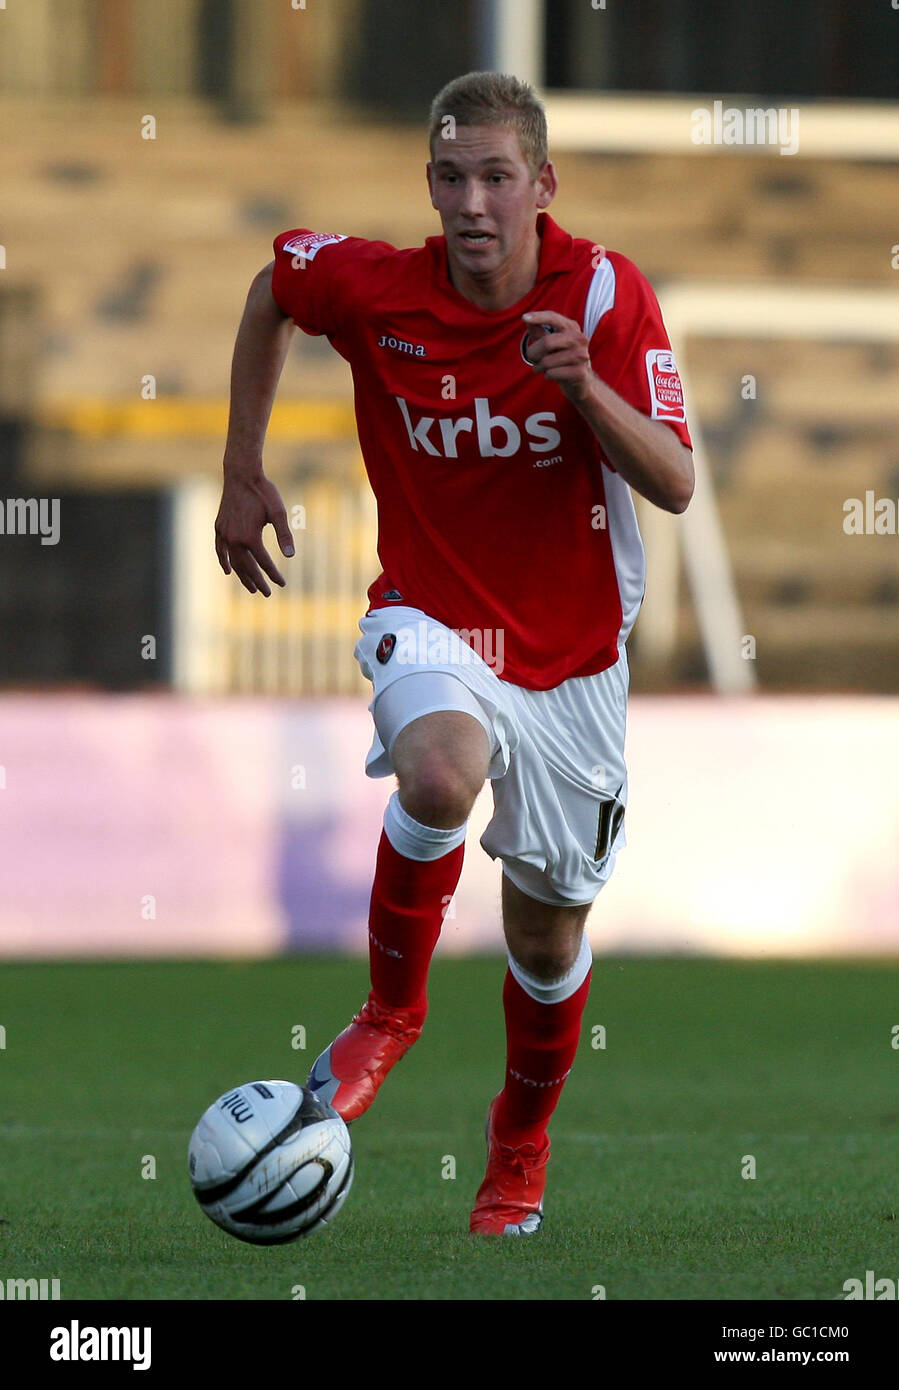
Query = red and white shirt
x=496 y=506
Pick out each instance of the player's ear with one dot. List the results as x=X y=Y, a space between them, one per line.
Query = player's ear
x=546 y=185
x=430 y=177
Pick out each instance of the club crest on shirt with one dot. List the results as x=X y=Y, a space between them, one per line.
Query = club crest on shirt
x=547 y=328
x=385 y=648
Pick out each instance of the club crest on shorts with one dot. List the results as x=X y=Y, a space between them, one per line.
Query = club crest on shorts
x=385 y=648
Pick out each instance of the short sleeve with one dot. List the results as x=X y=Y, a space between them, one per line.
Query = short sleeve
x=630 y=348
x=307 y=281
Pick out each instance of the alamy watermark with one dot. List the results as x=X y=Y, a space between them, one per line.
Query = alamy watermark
x=424 y=645
x=729 y=125
x=30 y=516
x=29 y=1288
x=871 y=516
x=86 y=1343
x=871 y=1288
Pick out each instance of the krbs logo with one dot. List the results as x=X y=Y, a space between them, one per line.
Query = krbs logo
x=497 y=435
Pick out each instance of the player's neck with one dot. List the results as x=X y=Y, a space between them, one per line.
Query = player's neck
x=496 y=290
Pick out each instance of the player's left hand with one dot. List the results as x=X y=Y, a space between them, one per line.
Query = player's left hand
x=560 y=351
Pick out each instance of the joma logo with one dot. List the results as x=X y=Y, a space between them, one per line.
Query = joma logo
x=497 y=435
x=400 y=345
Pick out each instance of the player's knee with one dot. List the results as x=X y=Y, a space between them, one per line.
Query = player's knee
x=548 y=961
x=437 y=793
x=543 y=938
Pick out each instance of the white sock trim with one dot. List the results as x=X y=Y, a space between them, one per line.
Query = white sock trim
x=416 y=841
x=555 y=991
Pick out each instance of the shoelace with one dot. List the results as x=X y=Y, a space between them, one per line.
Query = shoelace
x=516 y=1160
x=386 y=1023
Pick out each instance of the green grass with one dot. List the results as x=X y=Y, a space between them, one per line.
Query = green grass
x=705 y=1062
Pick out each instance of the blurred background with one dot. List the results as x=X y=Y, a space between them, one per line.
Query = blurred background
x=181 y=765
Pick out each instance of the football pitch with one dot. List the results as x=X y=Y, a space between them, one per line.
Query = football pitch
x=710 y=1071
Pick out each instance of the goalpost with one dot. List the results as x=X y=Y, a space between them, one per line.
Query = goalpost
x=734 y=310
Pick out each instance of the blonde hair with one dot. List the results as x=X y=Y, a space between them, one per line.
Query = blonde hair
x=492 y=99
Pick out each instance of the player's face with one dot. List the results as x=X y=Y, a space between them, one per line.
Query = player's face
x=487 y=200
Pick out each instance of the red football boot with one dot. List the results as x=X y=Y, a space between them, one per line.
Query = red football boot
x=510 y=1199
x=348 y=1074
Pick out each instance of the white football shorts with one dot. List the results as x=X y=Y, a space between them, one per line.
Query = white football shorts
x=556 y=756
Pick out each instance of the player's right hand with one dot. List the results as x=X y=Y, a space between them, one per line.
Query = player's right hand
x=247 y=506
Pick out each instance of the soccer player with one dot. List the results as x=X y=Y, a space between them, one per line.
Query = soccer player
x=512 y=384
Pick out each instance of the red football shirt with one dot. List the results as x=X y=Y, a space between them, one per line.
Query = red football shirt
x=496 y=507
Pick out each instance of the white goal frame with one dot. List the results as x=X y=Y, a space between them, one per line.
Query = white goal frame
x=734 y=310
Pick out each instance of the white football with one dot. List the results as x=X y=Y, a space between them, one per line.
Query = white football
x=270 y=1161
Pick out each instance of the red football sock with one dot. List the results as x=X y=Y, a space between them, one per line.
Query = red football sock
x=409 y=898
x=541 y=1043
